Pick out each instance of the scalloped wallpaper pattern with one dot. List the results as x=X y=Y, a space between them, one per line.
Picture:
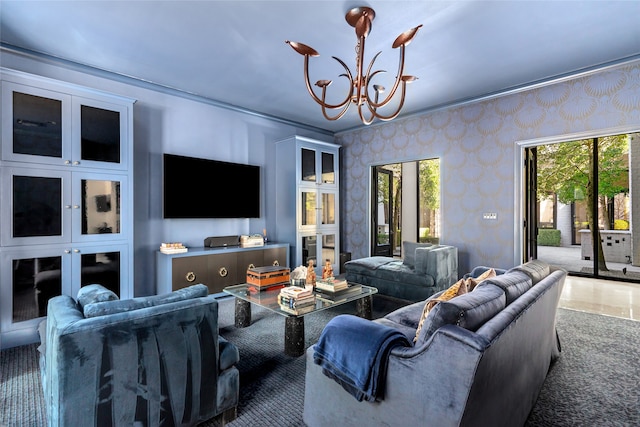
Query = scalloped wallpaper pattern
x=477 y=146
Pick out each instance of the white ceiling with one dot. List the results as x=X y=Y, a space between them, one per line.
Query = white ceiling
x=234 y=52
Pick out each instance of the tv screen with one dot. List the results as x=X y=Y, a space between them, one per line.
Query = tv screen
x=203 y=188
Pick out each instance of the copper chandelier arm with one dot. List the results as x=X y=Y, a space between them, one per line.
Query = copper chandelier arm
x=346 y=106
x=393 y=115
x=392 y=92
x=322 y=102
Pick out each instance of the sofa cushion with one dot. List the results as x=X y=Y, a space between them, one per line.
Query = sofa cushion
x=514 y=284
x=366 y=265
x=90 y=294
x=121 y=306
x=409 y=252
x=469 y=311
x=535 y=269
x=461 y=287
x=398 y=271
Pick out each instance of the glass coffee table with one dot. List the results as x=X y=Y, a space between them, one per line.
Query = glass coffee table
x=294 y=324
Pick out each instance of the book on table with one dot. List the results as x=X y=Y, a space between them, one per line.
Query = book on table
x=296 y=292
x=298 y=311
x=339 y=296
x=331 y=285
x=296 y=302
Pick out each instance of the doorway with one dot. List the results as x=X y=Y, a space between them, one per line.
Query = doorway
x=405 y=205
x=580 y=206
x=383 y=212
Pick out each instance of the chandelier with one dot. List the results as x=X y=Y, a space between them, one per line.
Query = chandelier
x=360 y=18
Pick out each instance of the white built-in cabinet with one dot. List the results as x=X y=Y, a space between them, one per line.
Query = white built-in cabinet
x=307 y=200
x=66 y=197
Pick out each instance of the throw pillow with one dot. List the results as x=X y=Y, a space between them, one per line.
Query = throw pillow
x=473 y=282
x=461 y=287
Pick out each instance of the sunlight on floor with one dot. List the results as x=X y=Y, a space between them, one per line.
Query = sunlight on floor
x=607 y=297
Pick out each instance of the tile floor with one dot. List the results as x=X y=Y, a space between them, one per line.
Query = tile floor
x=607 y=297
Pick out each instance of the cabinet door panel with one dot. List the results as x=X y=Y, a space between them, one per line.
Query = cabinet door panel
x=37 y=206
x=249 y=259
x=35 y=125
x=98 y=214
x=100 y=134
x=105 y=268
x=275 y=256
x=29 y=279
x=223 y=270
x=189 y=271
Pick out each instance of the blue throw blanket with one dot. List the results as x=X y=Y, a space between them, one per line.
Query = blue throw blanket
x=354 y=352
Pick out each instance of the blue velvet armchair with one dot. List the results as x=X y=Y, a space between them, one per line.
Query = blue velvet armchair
x=148 y=361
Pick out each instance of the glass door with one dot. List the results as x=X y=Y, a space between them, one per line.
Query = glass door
x=595 y=197
x=382 y=212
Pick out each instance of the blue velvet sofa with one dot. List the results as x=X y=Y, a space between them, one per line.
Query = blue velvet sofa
x=147 y=361
x=480 y=359
x=424 y=270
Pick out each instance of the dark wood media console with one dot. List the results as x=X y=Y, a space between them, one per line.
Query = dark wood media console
x=215 y=267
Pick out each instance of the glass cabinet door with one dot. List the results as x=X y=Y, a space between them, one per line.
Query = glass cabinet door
x=328 y=212
x=328 y=168
x=29 y=279
x=37 y=206
x=308 y=208
x=97 y=206
x=35 y=124
x=104 y=265
x=100 y=129
x=308 y=165
x=308 y=245
x=329 y=250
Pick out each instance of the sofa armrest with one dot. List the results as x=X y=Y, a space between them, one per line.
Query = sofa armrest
x=442 y=265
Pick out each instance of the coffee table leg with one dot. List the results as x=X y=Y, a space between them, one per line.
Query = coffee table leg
x=243 y=313
x=364 y=307
x=294 y=336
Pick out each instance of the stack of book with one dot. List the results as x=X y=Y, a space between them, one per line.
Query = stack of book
x=335 y=291
x=331 y=284
x=172 y=248
x=296 y=300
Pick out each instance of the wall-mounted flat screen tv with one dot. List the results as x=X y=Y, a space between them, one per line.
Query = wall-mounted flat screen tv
x=204 y=188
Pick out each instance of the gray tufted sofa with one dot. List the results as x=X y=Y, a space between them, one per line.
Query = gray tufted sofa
x=480 y=359
x=148 y=361
x=425 y=270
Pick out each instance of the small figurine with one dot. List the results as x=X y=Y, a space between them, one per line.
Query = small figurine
x=327 y=270
x=311 y=274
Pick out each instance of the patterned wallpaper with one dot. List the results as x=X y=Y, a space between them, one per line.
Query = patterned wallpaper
x=477 y=145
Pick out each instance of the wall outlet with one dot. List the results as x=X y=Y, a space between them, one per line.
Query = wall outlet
x=490 y=215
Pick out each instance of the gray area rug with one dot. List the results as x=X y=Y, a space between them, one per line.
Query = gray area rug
x=595 y=381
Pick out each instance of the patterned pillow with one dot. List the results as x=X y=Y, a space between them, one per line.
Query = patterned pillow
x=461 y=287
